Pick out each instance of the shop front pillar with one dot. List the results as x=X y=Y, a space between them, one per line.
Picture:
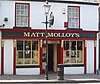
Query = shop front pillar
x=2 y=57
x=95 y=57
x=41 y=56
x=61 y=52
x=14 y=59
x=85 y=56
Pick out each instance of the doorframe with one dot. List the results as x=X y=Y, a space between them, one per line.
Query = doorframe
x=56 y=56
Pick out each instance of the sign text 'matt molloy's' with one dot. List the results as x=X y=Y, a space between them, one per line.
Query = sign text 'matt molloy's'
x=37 y=34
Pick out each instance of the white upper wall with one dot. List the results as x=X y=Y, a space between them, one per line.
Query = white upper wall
x=88 y=14
x=89 y=17
x=7 y=9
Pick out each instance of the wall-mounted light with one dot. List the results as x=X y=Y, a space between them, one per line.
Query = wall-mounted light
x=6 y=19
x=2 y=25
x=63 y=11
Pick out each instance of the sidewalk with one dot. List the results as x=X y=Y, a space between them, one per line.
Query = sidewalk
x=52 y=78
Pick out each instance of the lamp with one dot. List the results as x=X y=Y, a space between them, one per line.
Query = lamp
x=46 y=9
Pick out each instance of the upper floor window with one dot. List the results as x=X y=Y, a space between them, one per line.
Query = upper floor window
x=73 y=17
x=22 y=15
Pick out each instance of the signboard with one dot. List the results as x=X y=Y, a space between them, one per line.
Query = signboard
x=50 y=35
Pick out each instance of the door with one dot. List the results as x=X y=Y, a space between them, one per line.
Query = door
x=53 y=56
x=50 y=57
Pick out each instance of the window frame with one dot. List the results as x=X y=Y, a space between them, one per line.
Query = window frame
x=70 y=50
x=23 y=58
x=28 y=25
x=74 y=18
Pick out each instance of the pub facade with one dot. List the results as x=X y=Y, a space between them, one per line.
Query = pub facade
x=72 y=39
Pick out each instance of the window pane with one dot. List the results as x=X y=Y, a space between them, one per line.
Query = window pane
x=18 y=6
x=20 y=54
x=22 y=7
x=34 y=45
x=79 y=56
x=26 y=7
x=18 y=12
x=19 y=45
x=26 y=13
x=35 y=52
x=27 y=61
x=27 y=54
x=73 y=45
x=35 y=57
x=79 y=45
x=67 y=54
x=22 y=12
x=66 y=57
x=73 y=54
x=66 y=45
x=27 y=49
x=73 y=60
x=19 y=61
x=72 y=15
x=76 y=15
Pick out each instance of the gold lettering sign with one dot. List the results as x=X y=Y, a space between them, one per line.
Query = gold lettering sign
x=26 y=34
x=37 y=34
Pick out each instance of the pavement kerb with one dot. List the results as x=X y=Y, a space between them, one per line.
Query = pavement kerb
x=52 y=81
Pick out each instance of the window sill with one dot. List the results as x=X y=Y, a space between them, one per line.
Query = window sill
x=22 y=27
x=27 y=66
x=73 y=29
x=73 y=65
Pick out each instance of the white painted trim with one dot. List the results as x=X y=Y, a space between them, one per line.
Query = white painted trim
x=0 y=52
x=8 y=56
x=90 y=57
x=73 y=70
x=27 y=71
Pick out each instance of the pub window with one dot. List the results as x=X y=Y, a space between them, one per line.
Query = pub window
x=73 y=17
x=22 y=15
x=73 y=52
x=27 y=52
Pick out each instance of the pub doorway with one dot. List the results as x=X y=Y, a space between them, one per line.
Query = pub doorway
x=52 y=56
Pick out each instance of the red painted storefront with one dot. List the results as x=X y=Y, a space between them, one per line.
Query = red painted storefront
x=55 y=35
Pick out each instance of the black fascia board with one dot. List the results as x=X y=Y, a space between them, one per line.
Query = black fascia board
x=60 y=1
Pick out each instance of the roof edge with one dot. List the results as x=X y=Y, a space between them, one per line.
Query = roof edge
x=60 y=1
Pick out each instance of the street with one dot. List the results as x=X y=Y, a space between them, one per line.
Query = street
x=39 y=79
x=50 y=83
